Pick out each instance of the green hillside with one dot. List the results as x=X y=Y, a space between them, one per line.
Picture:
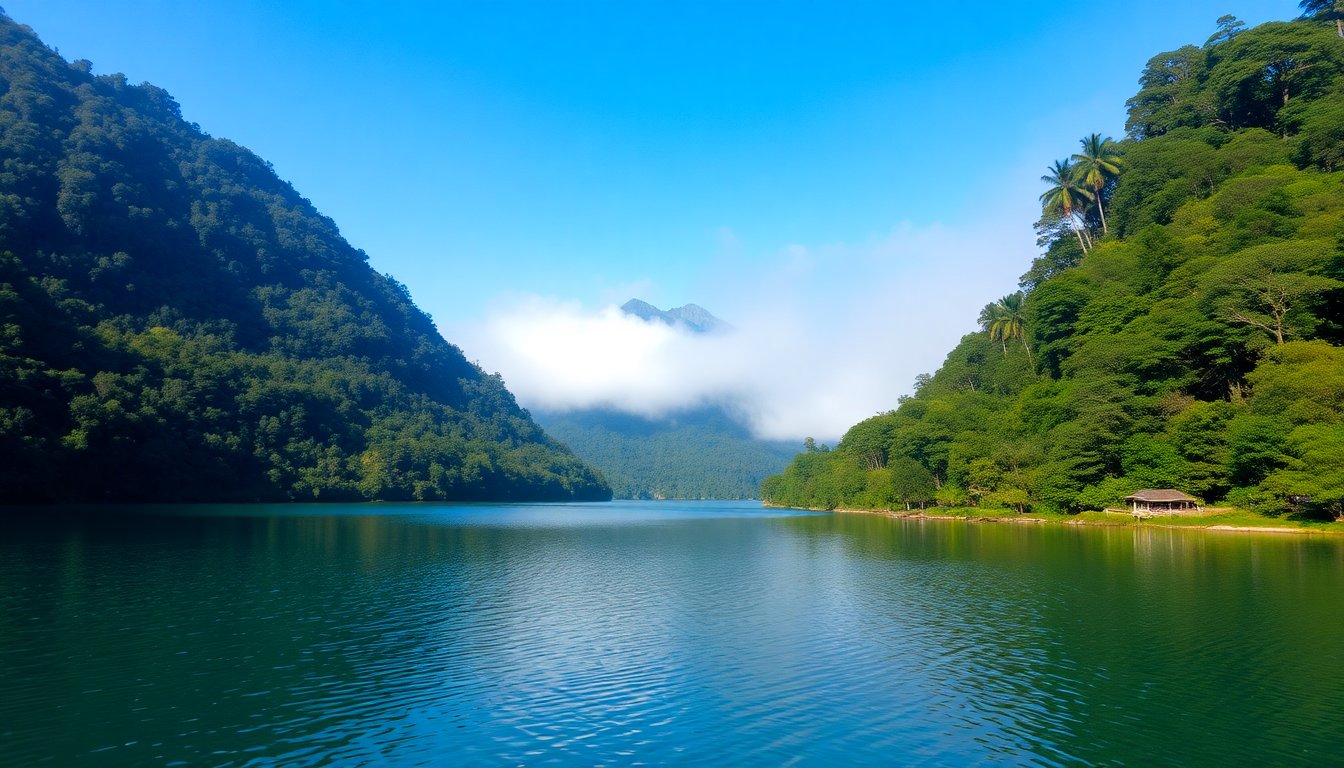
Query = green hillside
x=178 y=323
x=1182 y=327
x=700 y=454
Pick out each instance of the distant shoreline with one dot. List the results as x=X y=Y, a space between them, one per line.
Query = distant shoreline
x=1080 y=520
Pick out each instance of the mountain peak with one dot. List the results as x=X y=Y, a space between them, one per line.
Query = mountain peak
x=692 y=316
x=642 y=309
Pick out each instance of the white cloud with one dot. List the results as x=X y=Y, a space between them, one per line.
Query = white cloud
x=823 y=337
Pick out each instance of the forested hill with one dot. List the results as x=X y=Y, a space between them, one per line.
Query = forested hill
x=697 y=454
x=1182 y=327
x=177 y=323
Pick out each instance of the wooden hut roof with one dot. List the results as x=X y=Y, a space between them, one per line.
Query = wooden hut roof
x=1162 y=494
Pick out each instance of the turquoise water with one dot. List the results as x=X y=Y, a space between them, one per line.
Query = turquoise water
x=658 y=633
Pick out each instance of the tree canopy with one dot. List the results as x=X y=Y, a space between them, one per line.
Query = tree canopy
x=696 y=454
x=178 y=323
x=1182 y=325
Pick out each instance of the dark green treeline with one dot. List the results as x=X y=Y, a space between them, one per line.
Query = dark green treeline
x=1182 y=327
x=177 y=323
x=697 y=454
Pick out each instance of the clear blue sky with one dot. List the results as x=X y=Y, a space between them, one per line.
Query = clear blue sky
x=592 y=151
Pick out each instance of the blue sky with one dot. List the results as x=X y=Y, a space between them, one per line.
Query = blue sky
x=867 y=169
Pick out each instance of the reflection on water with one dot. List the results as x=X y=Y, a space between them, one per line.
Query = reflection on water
x=658 y=633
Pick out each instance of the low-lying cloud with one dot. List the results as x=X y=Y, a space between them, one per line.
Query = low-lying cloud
x=822 y=336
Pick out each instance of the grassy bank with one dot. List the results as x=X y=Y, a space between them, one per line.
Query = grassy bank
x=1212 y=518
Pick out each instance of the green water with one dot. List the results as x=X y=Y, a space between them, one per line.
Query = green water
x=658 y=633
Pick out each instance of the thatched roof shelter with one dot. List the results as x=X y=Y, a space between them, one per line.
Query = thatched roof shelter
x=1160 y=501
x=1164 y=494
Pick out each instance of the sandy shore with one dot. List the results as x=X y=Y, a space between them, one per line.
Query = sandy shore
x=1020 y=520
x=922 y=515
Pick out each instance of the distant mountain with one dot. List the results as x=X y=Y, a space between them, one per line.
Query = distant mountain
x=700 y=454
x=691 y=316
x=697 y=454
x=177 y=323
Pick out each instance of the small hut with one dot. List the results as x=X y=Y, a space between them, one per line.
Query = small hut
x=1165 y=501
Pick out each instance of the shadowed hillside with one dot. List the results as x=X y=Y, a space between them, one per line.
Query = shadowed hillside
x=178 y=323
x=700 y=454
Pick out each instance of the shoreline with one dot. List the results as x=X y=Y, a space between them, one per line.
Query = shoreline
x=1029 y=520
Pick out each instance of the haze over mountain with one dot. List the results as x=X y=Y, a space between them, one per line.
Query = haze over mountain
x=698 y=454
x=178 y=323
x=705 y=451
x=766 y=368
x=777 y=177
x=692 y=316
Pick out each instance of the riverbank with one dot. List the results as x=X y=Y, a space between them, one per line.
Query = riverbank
x=1214 y=519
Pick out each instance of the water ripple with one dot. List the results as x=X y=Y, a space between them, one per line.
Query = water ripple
x=700 y=635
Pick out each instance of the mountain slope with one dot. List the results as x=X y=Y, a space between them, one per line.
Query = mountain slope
x=701 y=454
x=691 y=316
x=1192 y=341
x=177 y=323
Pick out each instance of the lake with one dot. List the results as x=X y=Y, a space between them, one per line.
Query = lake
x=657 y=633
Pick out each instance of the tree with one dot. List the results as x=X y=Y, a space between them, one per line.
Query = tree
x=951 y=496
x=1268 y=297
x=1169 y=95
x=1320 y=131
x=911 y=483
x=1003 y=320
x=1269 y=286
x=1229 y=26
x=1299 y=382
x=867 y=441
x=1096 y=165
x=1258 y=73
x=1011 y=496
x=983 y=477
x=1065 y=196
x=989 y=323
x=1060 y=254
x=1331 y=10
x=1314 y=475
x=1160 y=347
x=203 y=317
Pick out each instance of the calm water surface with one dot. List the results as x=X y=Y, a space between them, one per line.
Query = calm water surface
x=658 y=633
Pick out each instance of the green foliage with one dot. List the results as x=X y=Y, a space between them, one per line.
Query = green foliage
x=1003 y=320
x=1319 y=126
x=1313 y=478
x=1067 y=197
x=910 y=483
x=1256 y=74
x=1096 y=166
x=1241 y=80
x=1170 y=96
x=1194 y=345
x=177 y=323
x=700 y=454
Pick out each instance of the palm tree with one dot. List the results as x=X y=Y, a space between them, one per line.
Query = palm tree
x=989 y=323
x=1065 y=196
x=1003 y=320
x=1097 y=164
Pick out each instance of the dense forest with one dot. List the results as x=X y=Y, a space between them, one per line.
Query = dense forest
x=1182 y=326
x=177 y=323
x=697 y=454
